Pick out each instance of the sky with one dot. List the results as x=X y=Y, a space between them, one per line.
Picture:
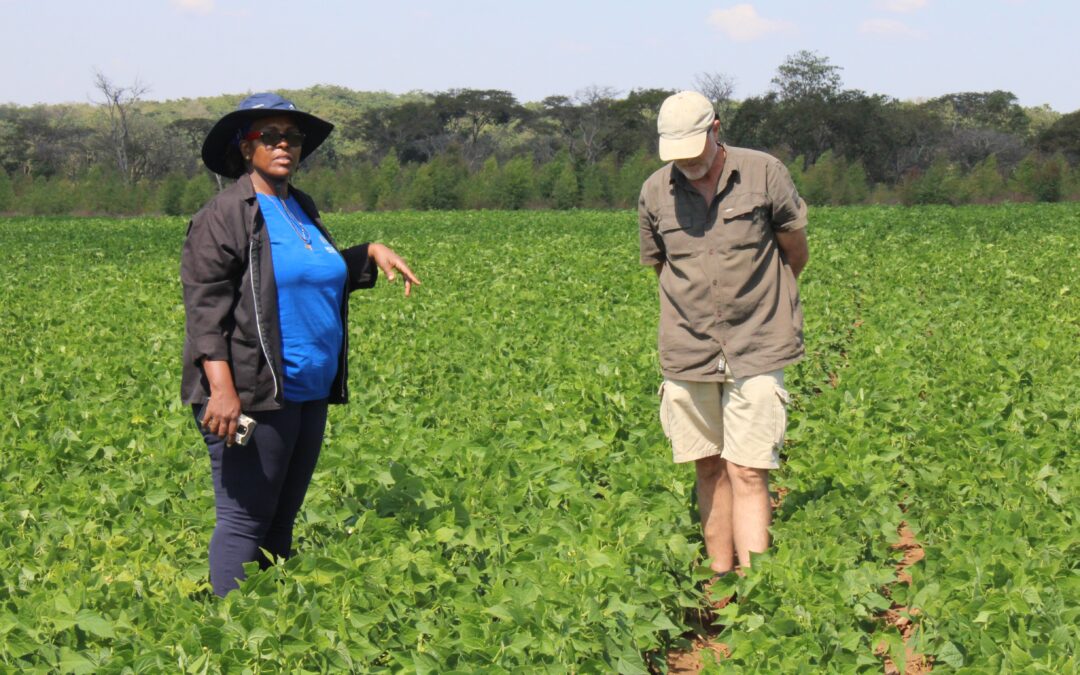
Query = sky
x=906 y=49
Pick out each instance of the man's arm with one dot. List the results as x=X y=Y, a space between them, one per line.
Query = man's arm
x=793 y=249
x=652 y=251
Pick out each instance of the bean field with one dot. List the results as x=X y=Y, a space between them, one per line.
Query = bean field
x=498 y=494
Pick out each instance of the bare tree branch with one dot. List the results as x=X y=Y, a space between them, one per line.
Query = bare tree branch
x=717 y=87
x=120 y=102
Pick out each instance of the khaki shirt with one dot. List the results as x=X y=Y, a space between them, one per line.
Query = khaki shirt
x=725 y=291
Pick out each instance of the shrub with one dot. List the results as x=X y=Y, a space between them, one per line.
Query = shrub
x=7 y=192
x=565 y=193
x=514 y=186
x=171 y=194
x=199 y=189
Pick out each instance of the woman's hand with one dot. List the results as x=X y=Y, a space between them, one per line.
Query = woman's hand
x=388 y=261
x=223 y=409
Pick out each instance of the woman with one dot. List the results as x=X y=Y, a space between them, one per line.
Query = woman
x=266 y=301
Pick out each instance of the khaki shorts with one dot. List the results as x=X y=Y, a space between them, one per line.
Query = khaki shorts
x=742 y=420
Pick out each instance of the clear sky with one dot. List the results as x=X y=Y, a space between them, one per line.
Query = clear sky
x=534 y=48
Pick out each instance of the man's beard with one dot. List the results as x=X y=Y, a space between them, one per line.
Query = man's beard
x=695 y=171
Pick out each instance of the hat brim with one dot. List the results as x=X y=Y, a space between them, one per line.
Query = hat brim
x=682 y=148
x=216 y=146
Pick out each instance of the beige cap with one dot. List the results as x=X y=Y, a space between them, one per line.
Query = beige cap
x=685 y=118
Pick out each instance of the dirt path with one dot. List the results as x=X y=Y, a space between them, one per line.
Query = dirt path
x=682 y=662
x=901 y=616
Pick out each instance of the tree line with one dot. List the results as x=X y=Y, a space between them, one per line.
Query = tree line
x=473 y=148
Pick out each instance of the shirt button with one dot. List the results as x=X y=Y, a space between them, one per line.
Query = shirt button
x=714 y=282
x=711 y=251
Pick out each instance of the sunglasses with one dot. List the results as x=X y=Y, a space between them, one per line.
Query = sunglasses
x=294 y=137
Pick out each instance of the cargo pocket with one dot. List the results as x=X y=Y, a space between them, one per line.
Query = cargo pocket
x=783 y=400
x=664 y=414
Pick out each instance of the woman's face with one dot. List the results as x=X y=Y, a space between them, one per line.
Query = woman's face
x=277 y=161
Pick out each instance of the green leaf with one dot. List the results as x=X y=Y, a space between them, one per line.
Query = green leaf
x=75 y=663
x=94 y=623
x=950 y=655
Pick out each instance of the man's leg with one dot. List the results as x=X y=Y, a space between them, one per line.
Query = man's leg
x=751 y=511
x=714 y=496
x=755 y=417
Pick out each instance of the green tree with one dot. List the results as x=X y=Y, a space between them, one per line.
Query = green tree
x=321 y=186
x=388 y=182
x=566 y=193
x=449 y=172
x=856 y=189
x=364 y=193
x=200 y=189
x=984 y=183
x=514 y=187
x=807 y=74
x=822 y=181
x=1052 y=178
x=1063 y=136
x=797 y=169
x=479 y=189
x=1040 y=178
x=7 y=192
x=548 y=174
x=596 y=182
x=103 y=191
x=988 y=109
x=1070 y=184
x=171 y=194
x=937 y=185
x=632 y=175
x=421 y=193
x=51 y=196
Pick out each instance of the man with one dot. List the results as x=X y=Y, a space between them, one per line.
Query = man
x=724 y=228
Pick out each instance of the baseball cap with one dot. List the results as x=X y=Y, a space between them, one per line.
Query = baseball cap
x=685 y=118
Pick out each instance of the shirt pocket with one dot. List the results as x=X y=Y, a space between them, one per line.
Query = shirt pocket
x=746 y=219
x=681 y=235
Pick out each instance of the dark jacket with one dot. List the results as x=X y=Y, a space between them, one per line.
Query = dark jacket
x=230 y=299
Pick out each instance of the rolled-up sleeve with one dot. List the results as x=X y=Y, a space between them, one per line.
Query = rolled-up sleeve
x=363 y=272
x=652 y=247
x=211 y=268
x=788 y=208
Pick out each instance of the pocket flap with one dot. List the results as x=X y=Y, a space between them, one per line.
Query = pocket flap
x=783 y=395
x=742 y=206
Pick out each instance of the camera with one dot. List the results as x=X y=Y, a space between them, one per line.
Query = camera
x=244 y=427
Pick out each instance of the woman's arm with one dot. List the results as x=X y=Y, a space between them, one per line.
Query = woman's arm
x=223 y=408
x=211 y=266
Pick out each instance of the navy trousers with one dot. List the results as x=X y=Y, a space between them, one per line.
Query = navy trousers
x=258 y=488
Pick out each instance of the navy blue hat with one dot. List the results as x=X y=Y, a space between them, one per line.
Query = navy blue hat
x=220 y=151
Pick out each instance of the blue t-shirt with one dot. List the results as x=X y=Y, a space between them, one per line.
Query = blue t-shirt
x=310 y=276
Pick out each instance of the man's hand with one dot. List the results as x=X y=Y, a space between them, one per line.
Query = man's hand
x=388 y=261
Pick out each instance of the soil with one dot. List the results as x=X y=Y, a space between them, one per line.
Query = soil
x=702 y=639
x=900 y=616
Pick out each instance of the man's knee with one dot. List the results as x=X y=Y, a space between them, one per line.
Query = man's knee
x=710 y=468
x=747 y=479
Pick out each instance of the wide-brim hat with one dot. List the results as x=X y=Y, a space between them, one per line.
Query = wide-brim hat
x=684 y=122
x=224 y=138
